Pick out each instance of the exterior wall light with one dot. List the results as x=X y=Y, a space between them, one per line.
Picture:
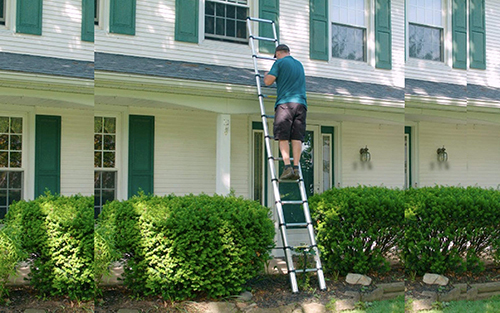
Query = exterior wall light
x=442 y=155
x=364 y=155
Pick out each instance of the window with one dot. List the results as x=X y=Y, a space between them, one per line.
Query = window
x=258 y=166
x=3 y=9
x=226 y=20
x=327 y=161
x=96 y=12
x=11 y=172
x=425 y=29
x=104 y=161
x=348 y=29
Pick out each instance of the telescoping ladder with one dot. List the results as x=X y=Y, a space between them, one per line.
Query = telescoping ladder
x=277 y=197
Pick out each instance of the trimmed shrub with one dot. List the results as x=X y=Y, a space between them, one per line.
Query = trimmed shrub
x=10 y=254
x=450 y=229
x=183 y=247
x=58 y=233
x=357 y=227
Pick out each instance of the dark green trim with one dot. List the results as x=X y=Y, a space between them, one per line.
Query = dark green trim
x=88 y=10
x=410 y=161
x=318 y=30
x=330 y=130
x=477 y=35
x=269 y=10
x=259 y=126
x=122 y=17
x=29 y=17
x=186 y=20
x=141 y=154
x=459 y=34
x=383 y=34
x=47 y=154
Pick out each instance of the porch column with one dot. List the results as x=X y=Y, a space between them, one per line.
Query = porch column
x=223 y=161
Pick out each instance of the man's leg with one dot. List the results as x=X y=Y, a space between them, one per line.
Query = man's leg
x=297 y=151
x=285 y=151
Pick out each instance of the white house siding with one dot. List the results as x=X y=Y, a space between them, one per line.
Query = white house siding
x=490 y=76
x=453 y=137
x=184 y=151
x=483 y=154
x=240 y=155
x=386 y=146
x=437 y=71
x=155 y=29
x=77 y=132
x=61 y=33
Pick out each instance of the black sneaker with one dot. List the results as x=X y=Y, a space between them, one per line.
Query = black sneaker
x=287 y=174
x=295 y=175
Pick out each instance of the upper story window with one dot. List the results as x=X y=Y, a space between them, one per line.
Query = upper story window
x=11 y=172
x=3 y=9
x=226 y=20
x=348 y=29
x=426 y=31
x=104 y=161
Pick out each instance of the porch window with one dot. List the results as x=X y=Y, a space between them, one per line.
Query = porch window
x=327 y=161
x=11 y=171
x=104 y=162
x=226 y=20
x=3 y=9
x=258 y=166
x=426 y=29
x=348 y=29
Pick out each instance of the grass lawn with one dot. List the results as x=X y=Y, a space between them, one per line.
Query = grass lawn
x=387 y=306
x=482 y=306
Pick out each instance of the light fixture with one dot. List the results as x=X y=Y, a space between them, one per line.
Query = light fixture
x=364 y=154
x=442 y=155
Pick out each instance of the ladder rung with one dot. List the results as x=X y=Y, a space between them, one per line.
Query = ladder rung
x=260 y=75
x=304 y=225
x=307 y=270
x=263 y=39
x=268 y=116
x=292 y=202
x=263 y=57
x=270 y=137
x=255 y=19
x=281 y=159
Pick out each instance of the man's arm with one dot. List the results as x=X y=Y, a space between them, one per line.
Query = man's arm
x=269 y=79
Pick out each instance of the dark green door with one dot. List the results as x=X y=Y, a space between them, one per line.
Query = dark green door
x=141 y=154
x=47 y=154
x=290 y=190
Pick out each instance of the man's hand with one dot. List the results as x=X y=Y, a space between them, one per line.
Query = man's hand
x=269 y=79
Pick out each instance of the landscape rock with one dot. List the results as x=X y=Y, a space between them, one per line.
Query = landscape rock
x=245 y=297
x=355 y=295
x=344 y=305
x=432 y=295
x=221 y=307
x=128 y=311
x=313 y=308
x=435 y=279
x=358 y=279
x=451 y=295
x=392 y=287
x=34 y=311
x=472 y=294
x=422 y=304
x=375 y=295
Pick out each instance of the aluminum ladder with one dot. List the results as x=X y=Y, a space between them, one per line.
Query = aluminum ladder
x=277 y=197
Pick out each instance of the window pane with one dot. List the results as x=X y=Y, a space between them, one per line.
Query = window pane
x=15 y=143
x=425 y=42
x=209 y=8
x=109 y=142
x=97 y=124
x=4 y=159
x=97 y=142
x=209 y=25
x=231 y=28
x=108 y=180
x=15 y=159
x=3 y=180
x=4 y=142
x=326 y=162
x=219 y=26
x=225 y=22
x=348 y=42
x=109 y=160
x=241 y=13
x=3 y=197
x=97 y=159
x=109 y=125
x=220 y=9
x=97 y=180
x=4 y=124
x=231 y=11
x=241 y=30
x=107 y=195
x=16 y=125
x=15 y=180
x=14 y=195
x=427 y=12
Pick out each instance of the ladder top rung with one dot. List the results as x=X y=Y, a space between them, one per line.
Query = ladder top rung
x=263 y=57
x=263 y=38
x=307 y=270
x=291 y=202
x=296 y=225
x=255 y=19
x=281 y=159
x=269 y=116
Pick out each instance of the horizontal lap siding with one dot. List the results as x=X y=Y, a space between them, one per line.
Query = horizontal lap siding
x=240 y=155
x=483 y=153
x=490 y=76
x=155 y=29
x=432 y=136
x=386 y=146
x=184 y=152
x=61 y=34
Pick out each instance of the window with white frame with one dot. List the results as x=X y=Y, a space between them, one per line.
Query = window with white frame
x=348 y=29
x=11 y=170
x=3 y=9
x=226 y=20
x=96 y=12
x=425 y=29
x=104 y=161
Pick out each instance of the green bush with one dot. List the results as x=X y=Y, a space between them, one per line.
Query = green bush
x=357 y=227
x=10 y=254
x=450 y=228
x=105 y=252
x=183 y=247
x=58 y=233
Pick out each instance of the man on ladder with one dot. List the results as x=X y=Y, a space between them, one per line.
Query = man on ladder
x=290 y=108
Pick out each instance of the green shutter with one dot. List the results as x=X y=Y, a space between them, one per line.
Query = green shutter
x=318 y=29
x=186 y=20
x=141 y=154
x=383 y=42
x=122 y=17
x=29 y=17
x=88 y=20
x=459 y=27
x=47 y=154
x=477 y=35
x=270 y=10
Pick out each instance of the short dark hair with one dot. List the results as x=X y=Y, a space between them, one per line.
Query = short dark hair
x=281 y=48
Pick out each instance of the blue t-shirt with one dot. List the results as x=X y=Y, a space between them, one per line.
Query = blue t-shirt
x=291 y=81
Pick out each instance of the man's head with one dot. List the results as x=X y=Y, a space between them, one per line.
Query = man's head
x=281 y=51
